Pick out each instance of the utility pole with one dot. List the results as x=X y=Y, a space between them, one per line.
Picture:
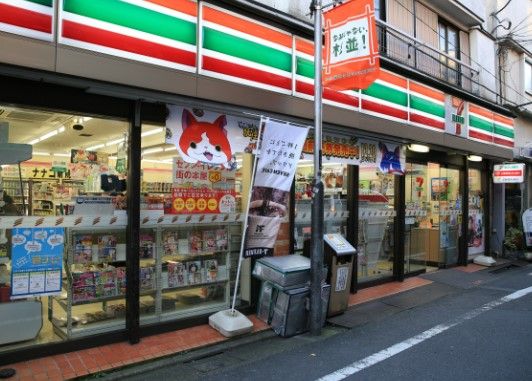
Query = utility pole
x=316 y=243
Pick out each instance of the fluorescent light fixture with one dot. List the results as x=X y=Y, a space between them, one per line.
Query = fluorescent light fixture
x=152 y=150
x=152 y=132
x=62 y=154
x=114 y=142
x=48 y=135
x=95 y=147
x=418 y=148
x=113 y=157
x=474 y=158
x=41 y=153
x=170 y=149
x=157 y=161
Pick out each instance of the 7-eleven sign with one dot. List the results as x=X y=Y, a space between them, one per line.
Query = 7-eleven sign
x=351 y=57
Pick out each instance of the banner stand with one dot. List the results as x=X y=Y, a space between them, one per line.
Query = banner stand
x=232 y=322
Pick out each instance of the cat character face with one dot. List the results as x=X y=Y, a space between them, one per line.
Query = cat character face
x=390 y=159
x=204 y=141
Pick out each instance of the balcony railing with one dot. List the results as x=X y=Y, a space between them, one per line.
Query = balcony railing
x=407 y=50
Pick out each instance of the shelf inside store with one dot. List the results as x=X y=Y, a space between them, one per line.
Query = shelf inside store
x=197 y=285
x=63 y=302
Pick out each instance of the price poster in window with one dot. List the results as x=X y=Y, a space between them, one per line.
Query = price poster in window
x=37 y=257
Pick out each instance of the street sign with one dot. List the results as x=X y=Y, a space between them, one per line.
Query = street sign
x=513 y=173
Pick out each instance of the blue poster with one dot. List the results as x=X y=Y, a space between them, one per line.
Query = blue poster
x=37 y=260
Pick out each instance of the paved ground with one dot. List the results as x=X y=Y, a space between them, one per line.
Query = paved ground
x=461 y=327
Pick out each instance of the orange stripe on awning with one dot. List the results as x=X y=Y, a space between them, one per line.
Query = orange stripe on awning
x=184 y=6
x=427 y=91
x=246 y=26
x=480 y=111
x=305 y=46
x=393 y=79
x=502 y=119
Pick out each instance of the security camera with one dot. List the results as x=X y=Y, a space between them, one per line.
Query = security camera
x=78 y=127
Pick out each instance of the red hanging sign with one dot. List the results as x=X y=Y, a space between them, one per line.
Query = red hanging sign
x=351 y=57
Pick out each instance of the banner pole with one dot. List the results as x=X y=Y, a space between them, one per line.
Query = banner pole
x=245 y=225
x=316 y=244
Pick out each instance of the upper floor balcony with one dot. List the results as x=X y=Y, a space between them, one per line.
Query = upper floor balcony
x=400 y=48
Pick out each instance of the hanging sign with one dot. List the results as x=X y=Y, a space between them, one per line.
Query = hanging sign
x=509 y=173
x=351 y=57
x=208 y=137
x=386 y=157
x=280 y=151
x=37 y=257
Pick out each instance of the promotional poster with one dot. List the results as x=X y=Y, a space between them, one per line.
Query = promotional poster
x=280 y=151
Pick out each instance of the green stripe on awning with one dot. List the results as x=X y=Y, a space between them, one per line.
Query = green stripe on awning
x=427 y=106
x=480 y=124
x=47 y=3
x=386 y=93
x=304 y=67
x=241 y=48
x=134 y=17
x=503 y=131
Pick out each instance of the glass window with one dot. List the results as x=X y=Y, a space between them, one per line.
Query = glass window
x=62 y=231
x=375 y=225
x=475 y=224
x=195 y=177
x=449 y=44
x=334 y=200
x=528 y=77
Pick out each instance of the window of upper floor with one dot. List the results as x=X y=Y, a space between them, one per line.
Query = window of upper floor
x=528 y=77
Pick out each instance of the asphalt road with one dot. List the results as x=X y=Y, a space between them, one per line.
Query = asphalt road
x=473 y=333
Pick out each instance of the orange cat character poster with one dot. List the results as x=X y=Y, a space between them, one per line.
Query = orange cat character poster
x=211 y=138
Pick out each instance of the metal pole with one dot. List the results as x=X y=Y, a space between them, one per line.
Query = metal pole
x=316 y=244
x=246 y=216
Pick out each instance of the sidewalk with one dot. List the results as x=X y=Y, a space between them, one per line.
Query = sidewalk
x=90 y=362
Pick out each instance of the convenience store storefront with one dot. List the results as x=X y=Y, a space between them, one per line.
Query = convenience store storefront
x=126 y=233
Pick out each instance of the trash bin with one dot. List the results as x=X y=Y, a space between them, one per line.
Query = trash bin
x=338 y=256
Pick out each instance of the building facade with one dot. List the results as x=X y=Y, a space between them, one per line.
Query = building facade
x=113 y=234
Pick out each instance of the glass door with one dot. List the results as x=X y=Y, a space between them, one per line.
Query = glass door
x=418 y=223
x=446 y=195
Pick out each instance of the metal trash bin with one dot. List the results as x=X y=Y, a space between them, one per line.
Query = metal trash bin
x=338 y=255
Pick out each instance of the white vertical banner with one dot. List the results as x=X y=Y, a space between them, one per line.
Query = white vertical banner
x=280 y=150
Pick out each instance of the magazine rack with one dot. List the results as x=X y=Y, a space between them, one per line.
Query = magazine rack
x=184 y=271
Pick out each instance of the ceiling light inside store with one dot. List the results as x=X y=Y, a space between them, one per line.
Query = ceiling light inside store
x=170 y=149
x=152 y=132
x=62 y=154
x=114 y=142
x=47 y=135
x=92 y=148
x=37 y=153
x=152 y=150
x=474 y=158
x=418 y=148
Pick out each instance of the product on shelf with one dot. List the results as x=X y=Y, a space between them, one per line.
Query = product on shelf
x=107 y=248
x=221 y=239
x=194 y=272
x=170 y=242
x=147 y=278
x=211 y=270
x=209 y=241
x=177 y=275
x=83 y=248
x=195 y=242
x=146 y=246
